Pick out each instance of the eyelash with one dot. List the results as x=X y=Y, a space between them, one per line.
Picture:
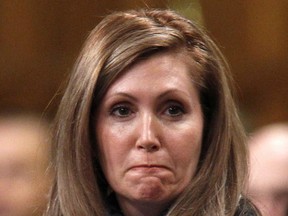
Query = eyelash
x=128 y=111
x=118 y=108
x=174 y=106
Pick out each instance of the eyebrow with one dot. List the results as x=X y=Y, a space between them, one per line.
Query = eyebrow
x=174 y=90
x=163 y=94
x=123 y=94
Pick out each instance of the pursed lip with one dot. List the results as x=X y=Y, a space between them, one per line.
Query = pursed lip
x=149 y=166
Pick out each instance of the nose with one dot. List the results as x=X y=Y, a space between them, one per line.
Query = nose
x=148 y=139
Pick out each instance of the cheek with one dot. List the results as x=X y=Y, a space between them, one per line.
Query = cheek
x=187 y=154
x=185 y=148
x=112 y=147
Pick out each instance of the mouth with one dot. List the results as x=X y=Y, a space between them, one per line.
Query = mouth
x=154 y=167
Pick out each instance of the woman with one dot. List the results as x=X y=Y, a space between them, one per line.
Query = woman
x=147 y=125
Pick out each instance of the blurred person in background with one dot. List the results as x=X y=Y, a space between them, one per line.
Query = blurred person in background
x=24 y=157
x=268 y=184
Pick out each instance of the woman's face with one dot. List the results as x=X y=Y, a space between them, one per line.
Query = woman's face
x=149 y=130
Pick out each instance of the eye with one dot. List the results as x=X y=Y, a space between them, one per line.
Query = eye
x=121 y=111
x=174 y=111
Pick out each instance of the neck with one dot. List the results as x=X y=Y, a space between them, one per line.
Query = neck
x=130 y=208
x=273 y=206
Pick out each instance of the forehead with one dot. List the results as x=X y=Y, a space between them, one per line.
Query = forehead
x=165 y=69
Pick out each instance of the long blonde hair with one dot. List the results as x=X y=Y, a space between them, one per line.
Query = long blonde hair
x=120 y=40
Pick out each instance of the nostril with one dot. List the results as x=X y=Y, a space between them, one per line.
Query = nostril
x=154 y=148
x=148 y=147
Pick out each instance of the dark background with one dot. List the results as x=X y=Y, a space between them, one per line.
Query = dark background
x=40 y=40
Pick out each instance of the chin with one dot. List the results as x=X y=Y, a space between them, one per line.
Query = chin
x=152 y=192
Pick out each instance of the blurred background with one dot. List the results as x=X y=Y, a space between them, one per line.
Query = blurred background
x=40 y=40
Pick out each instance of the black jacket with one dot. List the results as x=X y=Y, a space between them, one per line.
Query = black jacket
x=245 y=208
